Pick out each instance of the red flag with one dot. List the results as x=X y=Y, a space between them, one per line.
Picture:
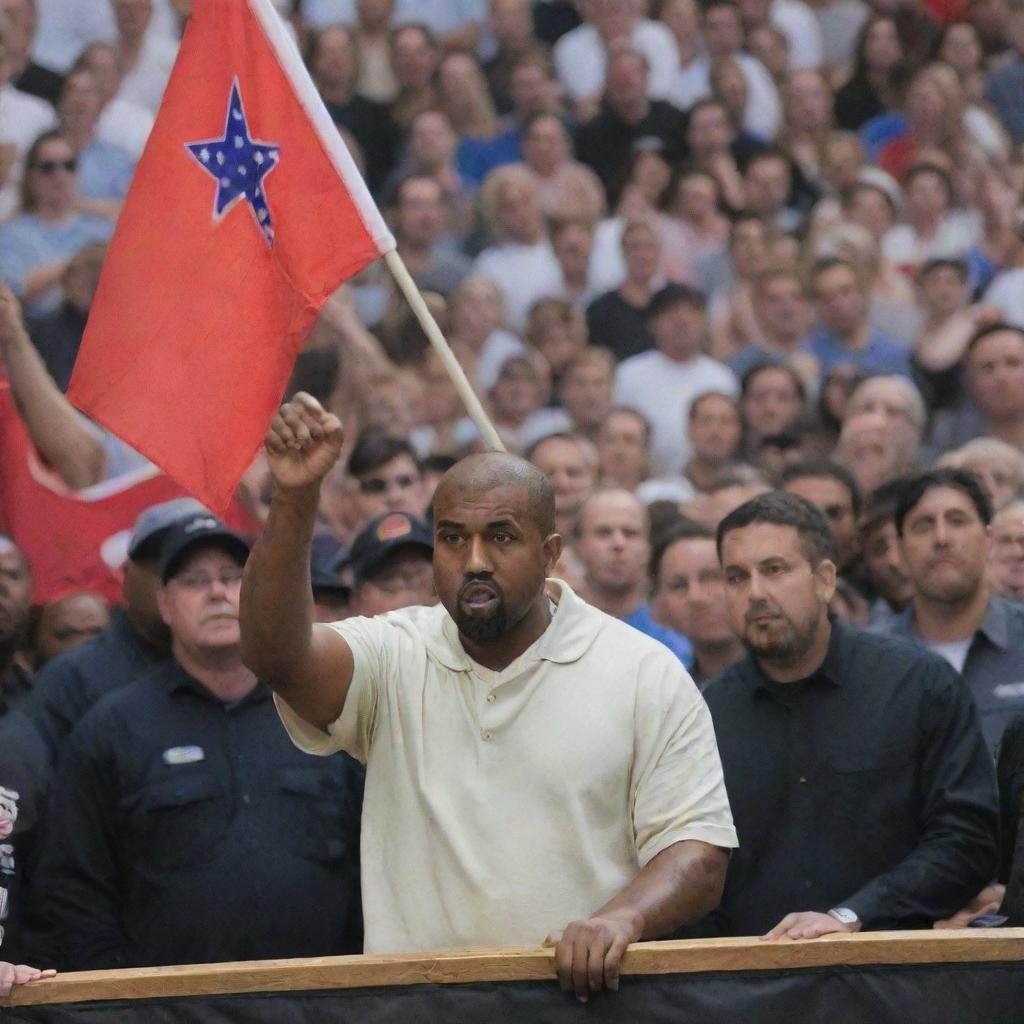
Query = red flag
x=246 y=212
x=91 y=544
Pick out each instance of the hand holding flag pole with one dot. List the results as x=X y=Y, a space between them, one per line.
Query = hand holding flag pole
x=245 y=214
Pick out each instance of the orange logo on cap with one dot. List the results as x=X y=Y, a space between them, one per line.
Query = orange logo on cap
x=393 y=526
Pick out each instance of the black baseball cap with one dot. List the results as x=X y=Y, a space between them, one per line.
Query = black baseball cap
x=384 y=536
x=154 y=522
x=201 y=529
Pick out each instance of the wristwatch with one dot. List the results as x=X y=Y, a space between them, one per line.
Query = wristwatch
x=844 y=915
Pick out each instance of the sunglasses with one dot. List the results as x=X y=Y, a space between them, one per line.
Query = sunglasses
x=52 y=166
x=374 y=485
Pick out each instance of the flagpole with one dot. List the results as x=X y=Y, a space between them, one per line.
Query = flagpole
x=409 y=289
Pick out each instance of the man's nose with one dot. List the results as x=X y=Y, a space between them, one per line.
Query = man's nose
x=478 y=560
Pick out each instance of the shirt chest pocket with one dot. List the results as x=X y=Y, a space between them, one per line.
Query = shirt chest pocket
x=176 y=822
x=863 y=783
x=320 y=812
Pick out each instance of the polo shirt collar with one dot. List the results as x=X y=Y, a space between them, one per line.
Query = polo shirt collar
x=994 y=626
x=570 y=634
x=178 y=679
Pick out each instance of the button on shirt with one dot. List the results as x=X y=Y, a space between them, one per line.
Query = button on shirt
x=490 y=822
x=186 y=830
x=994 y=666
x=867 y=786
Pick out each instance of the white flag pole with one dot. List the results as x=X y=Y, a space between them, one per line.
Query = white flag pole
x=408 y=288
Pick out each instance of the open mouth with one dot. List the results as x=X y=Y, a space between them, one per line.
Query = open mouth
x=479 y=597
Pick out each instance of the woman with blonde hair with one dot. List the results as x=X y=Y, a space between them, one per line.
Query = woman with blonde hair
x=465 y=97
x=808 y=120
x=936 y=122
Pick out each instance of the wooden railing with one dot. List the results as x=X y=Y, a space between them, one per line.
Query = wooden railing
x=968 y=946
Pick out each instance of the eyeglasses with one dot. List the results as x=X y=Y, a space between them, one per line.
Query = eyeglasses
x=375 y=485
x=52 y=166
x=200 y=581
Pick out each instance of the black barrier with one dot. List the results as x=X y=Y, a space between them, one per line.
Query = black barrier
x=904 y=978
x=931 y=994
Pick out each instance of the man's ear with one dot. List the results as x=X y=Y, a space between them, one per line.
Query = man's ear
x=162 y=605
x=552 y=552
x=825 y=575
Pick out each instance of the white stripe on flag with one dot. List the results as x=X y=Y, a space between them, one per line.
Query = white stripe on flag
x=291 y=63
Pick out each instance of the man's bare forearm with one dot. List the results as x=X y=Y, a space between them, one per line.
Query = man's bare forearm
x=277 y=612
x=62 y=436
x=680 y=885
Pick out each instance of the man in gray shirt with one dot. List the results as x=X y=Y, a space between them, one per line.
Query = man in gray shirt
x=942 y=519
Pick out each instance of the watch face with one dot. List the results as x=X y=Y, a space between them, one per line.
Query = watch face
x=844 y=915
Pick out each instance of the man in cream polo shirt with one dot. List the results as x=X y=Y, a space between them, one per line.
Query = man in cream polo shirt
x=534 y=767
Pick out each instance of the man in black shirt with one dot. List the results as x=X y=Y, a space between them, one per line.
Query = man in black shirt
x=185 y=826
x=606 y=141
x=137 y=640
x=861 y=787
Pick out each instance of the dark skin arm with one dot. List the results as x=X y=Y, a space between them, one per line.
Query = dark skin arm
x=309 y=665
x=680 y=885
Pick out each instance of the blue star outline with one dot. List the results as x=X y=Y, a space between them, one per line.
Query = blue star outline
x=239 y=163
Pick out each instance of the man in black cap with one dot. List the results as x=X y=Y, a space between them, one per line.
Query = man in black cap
x=137 y=640
x=390 y=562
x=186 y=827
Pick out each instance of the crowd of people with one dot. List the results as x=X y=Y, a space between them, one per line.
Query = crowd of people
x=742 y=280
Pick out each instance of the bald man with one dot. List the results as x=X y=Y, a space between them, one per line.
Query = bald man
x=612 y=545
x=534 y=767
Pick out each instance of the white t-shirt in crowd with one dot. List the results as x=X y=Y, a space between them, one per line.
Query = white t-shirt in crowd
x=522 y=273
x=66 y=27
x=797 y=22
x=581 y=60
x=145 y=83
x=126 y=124
x=958 y=231
x=955 y=653
x=1006 y=293
x=763 y=113
x=438 y=15
x=662 y=389
x=502 y=805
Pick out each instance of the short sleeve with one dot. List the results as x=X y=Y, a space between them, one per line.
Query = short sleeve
x=678 y=787
x=374 y=648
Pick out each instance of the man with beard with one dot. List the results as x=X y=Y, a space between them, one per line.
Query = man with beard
x=943 y=519
x=863 y=794
x=530 y=760
x=688 y=595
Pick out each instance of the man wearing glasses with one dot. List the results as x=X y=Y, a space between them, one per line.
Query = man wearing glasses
x=186 y=826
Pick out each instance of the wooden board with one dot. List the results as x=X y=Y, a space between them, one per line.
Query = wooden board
x=687 y=957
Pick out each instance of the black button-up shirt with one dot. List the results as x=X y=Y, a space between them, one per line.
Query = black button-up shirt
x=994 y=666
x=186 y=830
x=67 y=687
x=867 y=785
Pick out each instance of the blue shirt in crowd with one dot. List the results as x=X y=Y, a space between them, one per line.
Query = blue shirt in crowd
x=642 y=620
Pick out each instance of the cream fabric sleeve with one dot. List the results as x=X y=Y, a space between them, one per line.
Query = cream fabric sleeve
x=678 y=790
x=373 y=643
